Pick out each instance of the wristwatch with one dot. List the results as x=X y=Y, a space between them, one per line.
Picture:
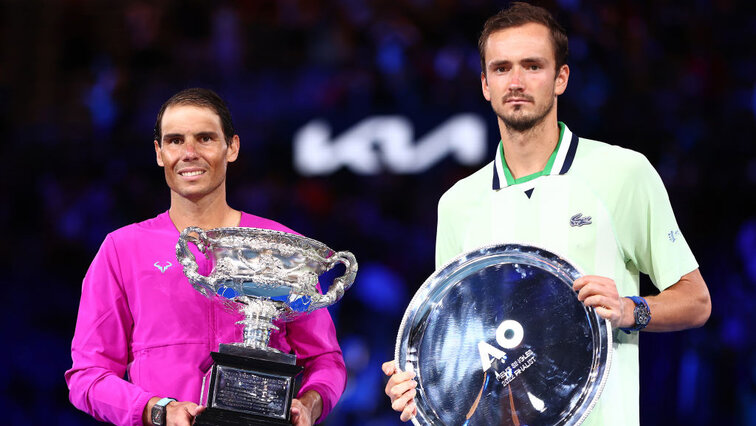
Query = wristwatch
x=641 y=313
x=157 y=415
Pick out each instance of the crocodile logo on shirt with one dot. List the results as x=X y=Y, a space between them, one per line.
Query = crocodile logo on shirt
x=580 y=220
x=163 y=268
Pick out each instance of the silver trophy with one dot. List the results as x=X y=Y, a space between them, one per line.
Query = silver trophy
x=498 y=337
x=266 y=275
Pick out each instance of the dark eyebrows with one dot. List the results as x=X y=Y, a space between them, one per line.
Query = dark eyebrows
x=534 y=60
x=538 y=60
x=169 y=136
x=212 y=135
x=496 y=64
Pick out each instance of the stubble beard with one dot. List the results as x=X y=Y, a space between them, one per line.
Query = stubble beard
x=520 y=121
x=196 y=192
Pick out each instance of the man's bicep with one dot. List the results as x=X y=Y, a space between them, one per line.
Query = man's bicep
x=100 y=347
x=104 y=321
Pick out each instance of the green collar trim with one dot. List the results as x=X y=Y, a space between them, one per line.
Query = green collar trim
x=546 y=170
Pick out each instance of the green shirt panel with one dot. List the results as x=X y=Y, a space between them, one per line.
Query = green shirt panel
x=645 y=224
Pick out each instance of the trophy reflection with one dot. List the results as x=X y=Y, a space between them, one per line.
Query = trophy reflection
x=266 y=275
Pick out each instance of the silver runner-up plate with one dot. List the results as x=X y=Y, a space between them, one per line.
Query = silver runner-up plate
x=498 y=337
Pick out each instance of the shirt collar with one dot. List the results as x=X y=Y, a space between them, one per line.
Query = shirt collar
x=559 y=163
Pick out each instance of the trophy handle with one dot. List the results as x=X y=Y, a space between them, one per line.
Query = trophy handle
x=340 y=284
x=200 y=282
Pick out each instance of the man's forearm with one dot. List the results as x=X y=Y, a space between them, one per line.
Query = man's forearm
x=685 y=304
x=314 y=402
x=146 y=418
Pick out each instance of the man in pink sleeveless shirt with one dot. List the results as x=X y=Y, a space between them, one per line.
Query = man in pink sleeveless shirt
x=143 y=332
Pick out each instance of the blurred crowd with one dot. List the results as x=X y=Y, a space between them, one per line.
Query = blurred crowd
x=81 y=82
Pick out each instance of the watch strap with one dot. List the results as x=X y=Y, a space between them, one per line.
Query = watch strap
x=165 y=401
x=640 y=303
x=159 y=407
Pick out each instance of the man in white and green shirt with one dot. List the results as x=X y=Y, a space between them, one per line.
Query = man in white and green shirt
x=601 y=206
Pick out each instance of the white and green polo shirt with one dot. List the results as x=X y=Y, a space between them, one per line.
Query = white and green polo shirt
x=602 y=207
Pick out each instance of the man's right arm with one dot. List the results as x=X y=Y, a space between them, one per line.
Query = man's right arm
x=100 y=347
x=401 y=389
x=177 y=413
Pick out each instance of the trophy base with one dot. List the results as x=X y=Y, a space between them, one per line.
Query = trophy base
x=247 y=352
x=215 y=417
x=249 y=387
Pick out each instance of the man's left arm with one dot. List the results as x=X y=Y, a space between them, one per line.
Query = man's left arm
x=651 y=241
x=306 y=409
x=685 y=304
x=313 y=338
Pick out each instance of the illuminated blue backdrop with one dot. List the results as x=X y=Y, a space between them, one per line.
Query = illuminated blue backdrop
x=81 y=82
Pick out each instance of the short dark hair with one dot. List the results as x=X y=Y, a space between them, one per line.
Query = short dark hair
x=199 y=97
x=518 y=14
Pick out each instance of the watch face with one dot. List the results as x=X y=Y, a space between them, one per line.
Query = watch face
x=157 y=414
x=642 y=315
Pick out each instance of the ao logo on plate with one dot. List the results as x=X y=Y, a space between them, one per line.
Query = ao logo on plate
x=509 y=335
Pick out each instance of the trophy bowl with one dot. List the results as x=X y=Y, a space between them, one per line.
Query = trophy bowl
x=267 y=276
x=498 y=337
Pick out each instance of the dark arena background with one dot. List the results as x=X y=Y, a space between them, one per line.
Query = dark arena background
x=354 y=117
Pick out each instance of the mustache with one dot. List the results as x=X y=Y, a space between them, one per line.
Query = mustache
x=519 y=96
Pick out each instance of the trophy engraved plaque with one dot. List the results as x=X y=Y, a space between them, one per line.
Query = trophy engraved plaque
x=266 y=275
x=498 y=337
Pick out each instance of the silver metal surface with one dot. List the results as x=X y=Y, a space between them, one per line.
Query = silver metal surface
x=239 y=390
x=498 y=337
x=265 y=274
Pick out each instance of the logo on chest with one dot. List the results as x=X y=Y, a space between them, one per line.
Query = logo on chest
x=580 y=220
x=162 y=268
